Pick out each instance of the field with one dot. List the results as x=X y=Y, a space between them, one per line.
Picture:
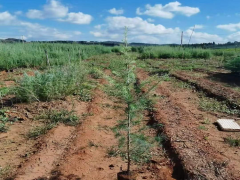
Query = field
x=72 y=111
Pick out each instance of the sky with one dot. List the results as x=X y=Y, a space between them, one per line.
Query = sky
x=148 y=21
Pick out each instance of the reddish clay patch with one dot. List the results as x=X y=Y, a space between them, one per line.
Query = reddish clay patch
x=199 y=156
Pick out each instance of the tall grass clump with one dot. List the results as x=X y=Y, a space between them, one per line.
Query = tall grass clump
x=233 y=65
x=53 y=84
x=31 y=55
x=166 y=52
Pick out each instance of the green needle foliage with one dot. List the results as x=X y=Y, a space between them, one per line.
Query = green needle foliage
x=134 y=145
x=53 y=84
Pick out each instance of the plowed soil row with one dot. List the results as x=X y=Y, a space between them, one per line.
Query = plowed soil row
x=70 y=153
x=202 y=153
x=210 y=87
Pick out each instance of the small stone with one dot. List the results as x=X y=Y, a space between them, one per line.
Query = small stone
x=111 y=166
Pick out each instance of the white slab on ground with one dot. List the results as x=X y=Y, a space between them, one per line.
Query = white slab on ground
x=228 y=125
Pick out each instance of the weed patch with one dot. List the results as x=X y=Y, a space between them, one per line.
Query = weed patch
x=53 y=84
x=232 y=142
x=51 y=119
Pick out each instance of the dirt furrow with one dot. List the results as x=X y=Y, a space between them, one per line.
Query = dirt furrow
x=198 y=158
x=50 y=149
x=214 y=89
x=87 y=158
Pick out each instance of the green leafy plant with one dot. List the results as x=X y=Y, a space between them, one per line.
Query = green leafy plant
x=232 y=142
x=3 y=120
x=53 y=84
x=40 y=130
x=133 y=144
x=233 y=65
x=33 y=54
x=51 y=119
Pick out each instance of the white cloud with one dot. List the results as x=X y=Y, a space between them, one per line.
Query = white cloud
x=32 y=31
x=197 y=26
x=77 y=32
x=137 y=25
x=100 y=26
x=6 y=18
x=18 y=13
x=200 y=37
x=150 y=20
x=168 y=11
x=77 y=18
x=234 y=37
x=115 y=11
x=229 y=27
x=140 y=30
x=53 y=9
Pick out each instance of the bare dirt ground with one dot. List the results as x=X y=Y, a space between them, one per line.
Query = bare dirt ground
x=211 y=87
x=73 y=152
x=19 y=153
x=81 y=152
x=202 y=153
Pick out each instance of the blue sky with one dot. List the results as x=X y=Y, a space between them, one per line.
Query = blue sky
x=149 y=21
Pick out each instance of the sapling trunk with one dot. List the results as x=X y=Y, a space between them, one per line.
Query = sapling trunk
x=129 y=141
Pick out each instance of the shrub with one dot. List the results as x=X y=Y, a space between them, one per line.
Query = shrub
x=33 y=54
x=233 y=65
x=116 y=49
x=54 y=84
x=166 y=52
x=134 y=49
x=218 y=53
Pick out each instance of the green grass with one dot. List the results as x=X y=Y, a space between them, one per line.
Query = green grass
x=233 y=65
x=213 y=105
x=51 y=119
x=62 y=116
x=40 y=130
x=56 y=83
x=4 y=120
x=202 y=128
x=232 y=142
x=33 y=54
x=167 y=52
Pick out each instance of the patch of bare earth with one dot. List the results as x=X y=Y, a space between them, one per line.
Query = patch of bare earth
x=202 y=153
x=52 y=146
x=30 y=157
x=88 y=158
x=210 y=87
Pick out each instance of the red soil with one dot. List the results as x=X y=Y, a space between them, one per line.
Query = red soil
x=202 y=154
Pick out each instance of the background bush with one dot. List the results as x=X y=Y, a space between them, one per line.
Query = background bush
x=167 y=52
x=53 y=84
x=33 y=54
x=233 y=65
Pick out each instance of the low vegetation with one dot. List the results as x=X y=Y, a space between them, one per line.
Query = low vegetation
x=232 y=141
x=51 y=119
x=34 y=55
x=233 y=65
x=52 y=84
x=165 y=52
